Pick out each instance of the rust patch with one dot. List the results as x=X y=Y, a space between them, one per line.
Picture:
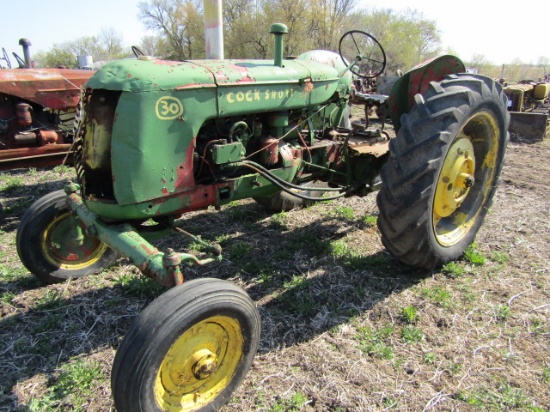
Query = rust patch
x=333 y=153
x=48 y=155
x=148 y=250
x=238 y=68
x=145 y=270
x=377 y=149
x=221 y=76
x=246 y=79
x=194 y=86
x=57 y=89
x=185 y=178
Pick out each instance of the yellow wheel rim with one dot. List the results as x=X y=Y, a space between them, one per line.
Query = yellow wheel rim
x=65 y=245
x=199 y=365
x=466 y=178
x=456 y=178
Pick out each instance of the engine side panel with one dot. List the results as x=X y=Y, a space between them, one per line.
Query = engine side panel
x=153 y=142
x=150 y=138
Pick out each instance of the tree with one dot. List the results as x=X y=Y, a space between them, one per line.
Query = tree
x=544 y=62
x=407 y=37
x=296 y=15
x=180 y=22
x=85 y=46
x=328 y=21
x=178 y=25
x=106 y=46
x=245 y=34
x=56 y=57
x=479 y=61
x=110 y=42
x=427 y=36
x=485 y=67
x=153 y=46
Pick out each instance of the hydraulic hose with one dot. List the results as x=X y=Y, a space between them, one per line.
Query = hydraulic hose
x=287 y=186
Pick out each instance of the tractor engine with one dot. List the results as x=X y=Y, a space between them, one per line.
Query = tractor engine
x=26 y=125
x=162 y=138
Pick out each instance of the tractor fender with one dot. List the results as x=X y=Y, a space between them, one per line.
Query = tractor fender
x=417 y=80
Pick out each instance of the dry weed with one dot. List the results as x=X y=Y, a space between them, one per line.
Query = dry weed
x=334 y=337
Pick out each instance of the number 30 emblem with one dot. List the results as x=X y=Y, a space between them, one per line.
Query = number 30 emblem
x=168 y=108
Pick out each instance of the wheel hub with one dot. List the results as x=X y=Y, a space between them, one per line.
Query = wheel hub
x=456 y=178
x=66 y=245
x=206 y=364
x=199 y=364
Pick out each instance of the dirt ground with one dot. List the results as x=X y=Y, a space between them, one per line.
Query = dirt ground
x=344 y=326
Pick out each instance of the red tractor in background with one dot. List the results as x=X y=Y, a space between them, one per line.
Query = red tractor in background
x=37 y=111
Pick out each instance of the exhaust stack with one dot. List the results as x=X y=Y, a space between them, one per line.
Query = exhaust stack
x=213 y=29
x=26 y=53
x=278 y=30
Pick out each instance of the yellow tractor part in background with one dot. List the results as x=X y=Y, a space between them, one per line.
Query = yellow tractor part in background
x=529 y=107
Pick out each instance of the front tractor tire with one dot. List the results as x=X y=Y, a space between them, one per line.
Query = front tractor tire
x=52 y=245
x=188 y=350
x=443 y=170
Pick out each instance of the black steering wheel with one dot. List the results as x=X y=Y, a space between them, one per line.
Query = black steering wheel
x=365 y=50
x=137 y=52
x=20 y=61
x=6 y=58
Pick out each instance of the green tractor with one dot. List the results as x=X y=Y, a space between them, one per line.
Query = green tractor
x=158 y=139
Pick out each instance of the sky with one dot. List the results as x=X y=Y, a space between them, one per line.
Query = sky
x=500 y=32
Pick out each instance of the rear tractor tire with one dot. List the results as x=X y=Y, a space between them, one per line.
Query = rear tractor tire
x=52 y=245
x=188 y=350
x=443 y=170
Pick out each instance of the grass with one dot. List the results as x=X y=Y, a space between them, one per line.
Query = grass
x=499 y=257
x=342 y=212
x=430 y=358
x=52 y=299
x=502 y=312
x=474 y=256
x=345 y=327
x=411 y=334
x=376 y=343
x=453 y=269
x=7 y=297
x=240 y=251
x=293 y=404
x=139 y=286
x=370 y=220
x=10 y=183
x=504 y=397
x=70 y=388
x=438 y=295
x=298 y=296
x=410 y=314
x=280 y=221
